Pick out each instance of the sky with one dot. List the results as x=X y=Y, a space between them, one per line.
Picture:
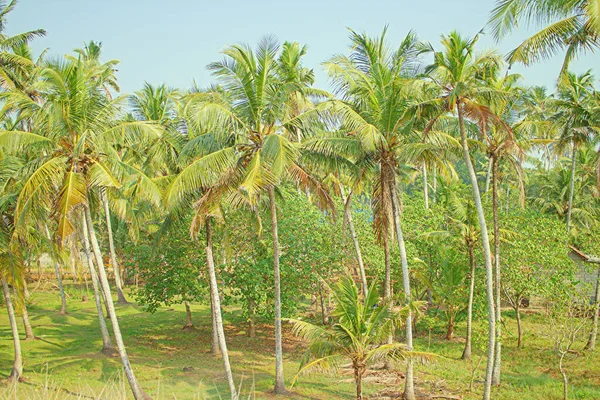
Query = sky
x=172 y=41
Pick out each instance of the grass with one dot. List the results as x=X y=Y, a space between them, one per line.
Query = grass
x=171 y=363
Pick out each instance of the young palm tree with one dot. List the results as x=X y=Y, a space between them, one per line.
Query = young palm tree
x=571 y=26
x=375 y=84
x=357 y=335
x=460 y=73
x=247 y=147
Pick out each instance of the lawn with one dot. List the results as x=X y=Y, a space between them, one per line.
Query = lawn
x=172 y=363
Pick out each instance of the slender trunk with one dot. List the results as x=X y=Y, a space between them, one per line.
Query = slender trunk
x=361 y=266
x=63 y=298
x=137 y=390
x=358 y=381
x=425 y=187
x=29 y=335
x=409 y=390
x=507 y=196
x=107 y=345
x=188 y=316
x=498 y=348
x=564 y=376
x=113 y=255
x=489 y=281
x=488 y=175
x=214 y=292
x=571 y=189
x=591 y=343
x=387 y=285
x=434 y=184
x=466 y=355
x=279 y=379
x=74 y=268
x=215 y=349
x=251 y=318
x=324 y=318
x=519 y=327
x=17 y=369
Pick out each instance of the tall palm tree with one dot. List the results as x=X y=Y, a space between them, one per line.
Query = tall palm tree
x=9 y=60
x=81 y=126
x=375 y=84
x=247 y=148
x=460 y=74
x=572 y=26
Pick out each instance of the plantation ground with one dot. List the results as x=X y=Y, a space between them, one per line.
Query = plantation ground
x=172 y=363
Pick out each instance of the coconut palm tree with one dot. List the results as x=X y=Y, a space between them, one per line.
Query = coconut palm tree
x=570 y=26
x=357 y=335
x=80 y=125
x=460 y=74
x=9 y=60
x=247 y=147
x=374 y=84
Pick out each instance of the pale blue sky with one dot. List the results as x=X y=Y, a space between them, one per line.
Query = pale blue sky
x=173 y=41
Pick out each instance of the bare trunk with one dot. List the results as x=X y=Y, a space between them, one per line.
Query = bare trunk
x=251 y=319
x=361 y=266
x=113 y=255
x=387 y=285
x=29 y=335
x=188 y=316
x=216 y=301
x=279 y=379
x=63 y=298
x=489 y=281
x=107 y=345
x=434 y=184
x=488 y=175
x=358 y=373
x=215 y=349
x=498 y=348
x=519 y=327
x=466 y=355
x=425 y=186
x=571 y=189
x=17 y=369
x=137 y=390
x=564 y=376
x=591 y=343
x=409 y=390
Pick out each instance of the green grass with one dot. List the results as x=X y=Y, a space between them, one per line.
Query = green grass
x=66 y=362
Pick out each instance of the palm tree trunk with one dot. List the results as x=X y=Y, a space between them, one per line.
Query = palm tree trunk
x=466 y=355
x=425 y=186
x=215 y=350
x=498 y=348
x=29 y=335
x=591 y=343
x=279 y=379
x=488 y=175
x=113 y=256
x=137 y=390
x=214 y=293
x=17 y=369
x=489 y=279
x=571 y=189
x=63 y=298
x=358 y=382
x=348 y=212
x=409 y=390
x=387 y=285
x=434 y=184
x=107 y=345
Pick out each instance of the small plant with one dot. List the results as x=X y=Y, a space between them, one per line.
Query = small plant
x=358 y=334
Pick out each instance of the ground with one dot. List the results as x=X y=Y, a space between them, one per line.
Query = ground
x=172 y=363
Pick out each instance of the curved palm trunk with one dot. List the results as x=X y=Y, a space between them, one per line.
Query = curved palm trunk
x=214 y=293
x=113 y=255
x=137 y=390
x=489 y=279
x=63 y=298
x=29 y=335
x=466 y=355
x=215 y=350
x=279 y=379
x=361 y=265
x=571 y=189
x=17 y=369
x=107 y=345
x=425 y=186
x=498 y=348
x=409 y=390
x=591 y=343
